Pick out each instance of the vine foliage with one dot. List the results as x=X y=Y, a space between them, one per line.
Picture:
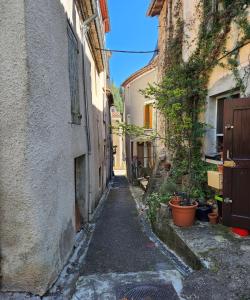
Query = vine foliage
x=181 y=95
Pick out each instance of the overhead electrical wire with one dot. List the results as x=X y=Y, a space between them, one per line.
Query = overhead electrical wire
x=157 y=50
x=127 y=51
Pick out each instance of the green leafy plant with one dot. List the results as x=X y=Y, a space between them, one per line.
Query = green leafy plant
x=181 y=95
x=168 y=187
x=118 y=100
x=153 y=202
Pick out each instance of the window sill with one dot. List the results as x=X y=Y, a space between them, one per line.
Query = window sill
x=76 y=124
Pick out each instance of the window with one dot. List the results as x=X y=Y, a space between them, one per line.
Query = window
x=148 y=116
x=220 y=119
x=73 y=76
x=81 y=203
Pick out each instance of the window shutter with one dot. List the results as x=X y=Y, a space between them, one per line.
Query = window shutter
x=146 y=116
x=150 y=116
x=73 y=76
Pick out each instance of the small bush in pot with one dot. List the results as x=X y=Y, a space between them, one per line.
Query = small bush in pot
x=184 y=212
x=168 y=187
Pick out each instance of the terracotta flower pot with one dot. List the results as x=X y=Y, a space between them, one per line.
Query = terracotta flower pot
x=220 y=168
x=183 y=216
x=213 y=218
x=175 y=200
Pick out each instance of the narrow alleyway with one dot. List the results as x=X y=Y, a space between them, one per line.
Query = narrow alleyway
x=122 y=262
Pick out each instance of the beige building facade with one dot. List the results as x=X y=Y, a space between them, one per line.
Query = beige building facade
x=140 y=111
x=56 y=152
x=221 y=83
x=119 y=162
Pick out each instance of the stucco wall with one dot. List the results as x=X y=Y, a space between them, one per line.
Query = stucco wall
x=162 y=40
x=222 y=83
x=221 y=80
x=134 y=100
x=192 y=20
x=38 y=141
x=14 y=190
x=134 y=107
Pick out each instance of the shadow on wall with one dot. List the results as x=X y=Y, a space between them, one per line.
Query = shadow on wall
x=100 y=139
x=37 y=222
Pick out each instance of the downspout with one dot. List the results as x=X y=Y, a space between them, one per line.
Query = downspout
x=88 y=21
x=85 y=27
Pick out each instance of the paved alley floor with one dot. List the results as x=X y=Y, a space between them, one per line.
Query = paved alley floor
x=122 y=262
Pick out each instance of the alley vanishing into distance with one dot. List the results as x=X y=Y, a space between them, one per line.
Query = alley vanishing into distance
x=125 y=150
x=122 y=261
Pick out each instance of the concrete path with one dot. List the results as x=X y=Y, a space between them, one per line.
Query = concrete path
x=122 y=262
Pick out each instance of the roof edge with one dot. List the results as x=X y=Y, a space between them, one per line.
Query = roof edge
x=139 y=72
x=105 y=15
x=155 y=8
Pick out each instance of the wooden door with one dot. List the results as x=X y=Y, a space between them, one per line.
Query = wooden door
x=236 y=154
x=140 y=153
x=81 y=203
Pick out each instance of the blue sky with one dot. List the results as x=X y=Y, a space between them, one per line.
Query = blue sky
x=131 y=29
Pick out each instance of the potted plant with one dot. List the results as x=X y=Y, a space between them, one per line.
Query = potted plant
x=168 y=189
x=220 y=168
x=203 y=210
x=213 y=218
x=183 y=212
x=175 y=198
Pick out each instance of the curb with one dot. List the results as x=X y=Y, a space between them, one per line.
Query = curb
x=66 y=282
x=169 y=236
x=181 y=265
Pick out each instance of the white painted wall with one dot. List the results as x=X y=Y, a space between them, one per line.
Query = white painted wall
x=134 y=100
x=134 y=108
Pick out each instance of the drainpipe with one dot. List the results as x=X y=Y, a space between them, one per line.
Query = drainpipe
x=85 y=24
x=85 y=27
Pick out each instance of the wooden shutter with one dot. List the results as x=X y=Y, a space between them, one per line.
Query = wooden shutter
x=148 y=116
x=73 y=76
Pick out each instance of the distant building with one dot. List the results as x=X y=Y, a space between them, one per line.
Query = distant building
x=139 y=111
x=56 y=149
x=118 y=141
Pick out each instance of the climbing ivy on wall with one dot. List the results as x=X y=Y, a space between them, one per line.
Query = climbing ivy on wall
x=181 y=95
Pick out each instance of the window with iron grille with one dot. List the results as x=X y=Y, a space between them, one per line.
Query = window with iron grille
x=73 y=76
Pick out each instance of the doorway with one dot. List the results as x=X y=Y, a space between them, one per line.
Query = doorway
x=236 y=155
x=81 y=205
